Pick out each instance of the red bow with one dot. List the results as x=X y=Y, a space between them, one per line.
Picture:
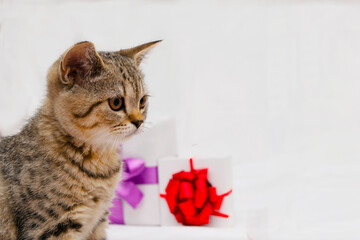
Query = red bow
x=191 y=198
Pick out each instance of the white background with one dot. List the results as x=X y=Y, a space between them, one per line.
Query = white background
x=274 y=84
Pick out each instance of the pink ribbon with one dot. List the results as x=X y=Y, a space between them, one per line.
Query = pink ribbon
x=134 y=172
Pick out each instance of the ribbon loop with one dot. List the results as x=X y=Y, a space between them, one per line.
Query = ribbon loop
x=132 y=168
x=134 y=172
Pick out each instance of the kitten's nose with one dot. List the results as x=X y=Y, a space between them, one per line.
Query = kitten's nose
x=137 y=123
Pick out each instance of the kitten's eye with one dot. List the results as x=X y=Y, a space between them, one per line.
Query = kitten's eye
x=115 y=103
x=143 y=101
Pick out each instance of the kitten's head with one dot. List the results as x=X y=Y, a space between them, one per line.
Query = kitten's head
x=99 y=97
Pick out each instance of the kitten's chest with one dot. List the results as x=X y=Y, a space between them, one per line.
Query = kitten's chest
x=93 y=209
x=101 y=191
x=94 y=180
x=96 y=200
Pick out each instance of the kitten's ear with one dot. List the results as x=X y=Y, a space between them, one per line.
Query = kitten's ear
x=79 y=62
x=139 y=52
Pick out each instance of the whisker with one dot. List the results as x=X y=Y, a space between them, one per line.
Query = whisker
x=103 y=151
x=90 y=138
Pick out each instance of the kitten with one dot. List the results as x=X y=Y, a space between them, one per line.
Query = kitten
x=58 y=175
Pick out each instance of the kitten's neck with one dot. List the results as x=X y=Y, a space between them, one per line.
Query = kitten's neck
x=97 y=160
x=52 y=128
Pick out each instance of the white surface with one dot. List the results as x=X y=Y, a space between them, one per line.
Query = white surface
x=219 y=175
x=274 y=84
x=158 y=140
x=174 y=233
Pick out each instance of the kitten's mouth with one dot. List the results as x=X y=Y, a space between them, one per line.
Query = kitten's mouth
x=126 y=132
x=120 y=129
x=120 y=125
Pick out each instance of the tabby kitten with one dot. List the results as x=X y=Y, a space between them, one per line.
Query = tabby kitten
x=59 y=173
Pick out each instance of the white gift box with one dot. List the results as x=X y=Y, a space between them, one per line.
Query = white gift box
x=219 y=175
x=158 y=140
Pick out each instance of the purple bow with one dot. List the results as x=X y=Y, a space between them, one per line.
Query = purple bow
x=134 y=172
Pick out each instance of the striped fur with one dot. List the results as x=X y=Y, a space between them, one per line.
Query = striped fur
x=58 y=175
